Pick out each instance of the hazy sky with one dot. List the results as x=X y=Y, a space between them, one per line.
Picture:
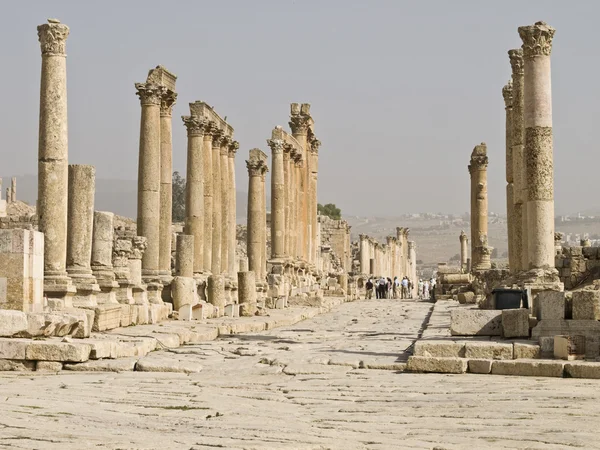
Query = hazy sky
x=401 y=91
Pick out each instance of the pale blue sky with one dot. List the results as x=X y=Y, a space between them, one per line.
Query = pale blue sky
x=400 y=91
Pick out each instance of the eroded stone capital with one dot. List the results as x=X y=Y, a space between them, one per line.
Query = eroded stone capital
x=515 y=57
x=217 y=137
x=479 y=159
x=537 y=39
x=507 y=93
x=233 y=148
x=256 y=167
x=463 y=236
x=194 y=125
x=149 y=94
x=277 y=146
x=299 y=123
x=314 y=145
x=167 y=101
x=53 y=38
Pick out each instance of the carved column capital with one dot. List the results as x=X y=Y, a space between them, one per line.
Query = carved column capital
x=256 y=167
x=507 y=94
x=53 y=38
x=149 y=94
x=167 y=101
x=479 y=159
x=217 y=137
x=314 y=145
x=299 y=123
x=233 y=148
x=194 y=124
x=516 y=61
x=277 y=146
x=537 y=39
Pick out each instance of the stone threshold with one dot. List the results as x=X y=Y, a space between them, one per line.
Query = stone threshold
x=138 y=347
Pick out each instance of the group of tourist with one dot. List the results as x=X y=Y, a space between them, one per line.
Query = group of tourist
x=388 y=288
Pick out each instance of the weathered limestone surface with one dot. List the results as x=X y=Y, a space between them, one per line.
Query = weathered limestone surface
x=186 y=258
x=550 y=305
x=586 y=305
x=515 y=323
x=488 y=350
x=528 y=368
x=247 y=293
x=216 y=293
x=102 y=253
x=476 y=322
x=437 y=365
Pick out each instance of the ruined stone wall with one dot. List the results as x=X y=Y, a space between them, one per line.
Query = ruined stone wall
x=577 y=265
x=335 y=234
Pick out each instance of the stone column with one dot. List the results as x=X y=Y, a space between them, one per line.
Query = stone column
x=217 y=222
x=247 y=293
x=53 y=159
x=194 y=188
x=256 y=219
x=225 y=201
x=412 y=254
x=364 y=253
x=510 y=201
x=216 y=293
x=464 y=252
x=232 y=216
x=166 y=183
x=539 y=167
x=82 y=187
x=480 y=252
x=184 y=261
x=13 y=189
x=263 y=227
x=312 y=197
x=520 y=243
x=293 y=205
x=207 y=177
x=148 y=214
x=102 y=255
x=277 y=199
x=298 y=210
x=286 y=199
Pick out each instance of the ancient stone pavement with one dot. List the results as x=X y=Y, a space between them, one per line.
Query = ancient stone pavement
x=313 y=385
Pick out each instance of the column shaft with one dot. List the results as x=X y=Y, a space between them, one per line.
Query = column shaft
x=207 y=178
x=232 y=216
x=225 y=192
x=277 y=198
x=510 y=201
x=216 y=210
x=166 y=182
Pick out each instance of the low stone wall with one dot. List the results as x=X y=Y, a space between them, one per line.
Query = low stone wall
x=577 y=265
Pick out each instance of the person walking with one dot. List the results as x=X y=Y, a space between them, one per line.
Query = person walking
x=395 y=287
x=404 y=294
x=420 y=289
x=369 y=289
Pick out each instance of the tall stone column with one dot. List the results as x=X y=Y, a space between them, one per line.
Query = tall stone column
x=82 y=187
x=53 y=160
x=520 y=243
x=312 y=196
x=539 y=167
x=217 y=221
x=13 y=189
x=194 y=188
x=166 y=183
x=102 y=253
x=263 y=227
x=464 y=252
x=412 y=254
x=286 y=199
x=300 y=121
x=232 y=216
x=184 y=262
x=364 y=253
x=225 y=193
x=293 y=202
x=298 y=223
x=256 y=167
x=207 y=177
x=480 y=252
x=277 y=199
x=148 y=214
x=510 y=201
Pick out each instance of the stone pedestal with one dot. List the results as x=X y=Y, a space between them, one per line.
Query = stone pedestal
x=82 y=187
x=539 y=167
x=216 y=293
x=52 y=162
x=102 y=253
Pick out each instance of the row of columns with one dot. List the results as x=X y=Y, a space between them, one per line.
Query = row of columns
x=390 y=259
x=529 y=149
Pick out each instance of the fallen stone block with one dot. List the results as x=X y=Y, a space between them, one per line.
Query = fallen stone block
x=103 y=348
x=13 y=348
x=107 y=317
x=443 y=349
x=466 y=298
x=488 y=350
x=12 y=322
x=515 y=323
x=480 y=366
x=104 y=365
x=569 y=347
x=436 y=365
x=48 y=366
x=475 y=322
x=57 y=351
x=586 y=305
x=566 y=327
x=170 y=362
x=13 y=365
x=528 y=368
x=582 y=370
x=526 y=350
x=550 y=305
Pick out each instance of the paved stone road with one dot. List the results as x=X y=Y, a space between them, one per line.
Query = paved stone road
x=301 y=387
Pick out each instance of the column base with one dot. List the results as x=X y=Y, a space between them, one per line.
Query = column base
x=59 y=290
x=154 y=290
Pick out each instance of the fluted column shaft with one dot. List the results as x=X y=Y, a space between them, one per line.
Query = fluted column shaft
x=194 y=187
x=53 y=150
x=520 y=243
x=539 y=167
x=166 y=182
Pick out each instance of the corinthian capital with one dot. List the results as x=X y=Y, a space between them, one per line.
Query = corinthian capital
x=507 y=93
x=217 y=137
x=256 y=167
x=53 y=38
x=276 y=145
x=299 y=123
x=516 y=61
x=479 y=159
x=537 y=39
x=167 y=101
x=150 y=94
x=194 y=124
x=233 y=148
